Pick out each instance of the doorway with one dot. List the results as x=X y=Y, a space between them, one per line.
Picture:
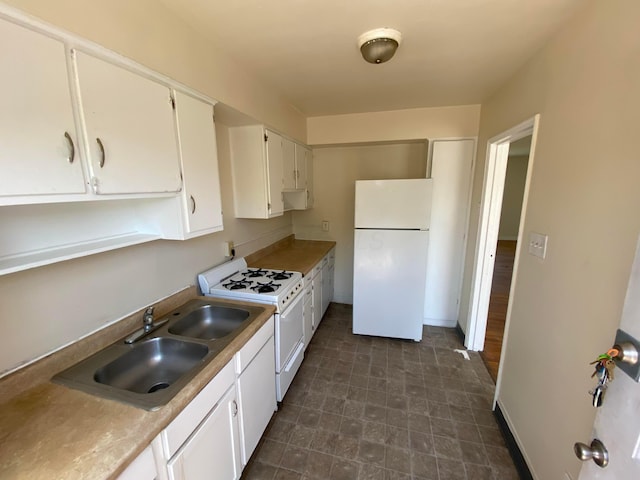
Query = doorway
x=488 y=233
x=510 y=212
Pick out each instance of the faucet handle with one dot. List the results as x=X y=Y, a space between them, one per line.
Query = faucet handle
x=149 y=310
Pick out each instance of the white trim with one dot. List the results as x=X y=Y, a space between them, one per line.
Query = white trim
x=493 y=188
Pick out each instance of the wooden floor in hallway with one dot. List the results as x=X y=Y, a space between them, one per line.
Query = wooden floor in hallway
x=502 y=273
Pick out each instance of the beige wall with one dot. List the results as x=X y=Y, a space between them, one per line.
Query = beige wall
x=396 y=125
x=335 y=171
x=45 y=308
x=512 y=197
x=585 y=196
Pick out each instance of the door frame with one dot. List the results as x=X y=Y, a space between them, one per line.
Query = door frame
x=487 y=237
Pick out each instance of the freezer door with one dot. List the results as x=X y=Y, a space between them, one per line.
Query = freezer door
x=393 y=203
x=389 y=283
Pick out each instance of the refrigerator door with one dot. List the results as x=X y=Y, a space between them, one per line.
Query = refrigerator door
x=393 y=203
x=389 y=282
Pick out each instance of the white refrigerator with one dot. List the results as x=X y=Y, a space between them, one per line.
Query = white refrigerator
x=390 y=257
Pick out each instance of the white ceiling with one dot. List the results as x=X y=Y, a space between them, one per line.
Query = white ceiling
x=453 y=52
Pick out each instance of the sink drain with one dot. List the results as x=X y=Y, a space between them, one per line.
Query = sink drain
x=158 y=386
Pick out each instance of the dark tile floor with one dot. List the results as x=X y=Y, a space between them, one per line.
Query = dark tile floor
x=374 y=408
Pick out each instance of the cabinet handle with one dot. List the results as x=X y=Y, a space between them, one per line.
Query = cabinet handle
x=72 y=154
x=235 y=408
x=193 y=204
x=102 y=154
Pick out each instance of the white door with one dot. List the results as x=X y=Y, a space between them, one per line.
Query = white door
x=39 y=150
x=199 y=155
x=307 y=314
x=131 y=137
x=309 y=176
x=213 y=450
x=275 y=172
x=288 y=164
x=617 y=423
x=301 y=166
x=451 y=170
x=388 y=282
x=257 y=395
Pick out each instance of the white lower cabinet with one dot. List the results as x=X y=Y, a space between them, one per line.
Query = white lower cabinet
x=307 y=311
x=328 y=264
x=142 y=468
x=213 y=450
x=216 y=433
x=316 y=301
x=256 y=391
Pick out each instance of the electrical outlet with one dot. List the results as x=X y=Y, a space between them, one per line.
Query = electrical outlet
x=538 y=244
x=325 y=225
x=229 y=250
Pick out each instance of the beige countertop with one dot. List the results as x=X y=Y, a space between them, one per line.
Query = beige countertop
x=291 y=254
x=50 y=432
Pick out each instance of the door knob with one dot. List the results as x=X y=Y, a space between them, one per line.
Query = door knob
x=596 y=452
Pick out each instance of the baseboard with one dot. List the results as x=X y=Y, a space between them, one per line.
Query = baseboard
x=512 y=446
x=460 y=333
x=434 y=322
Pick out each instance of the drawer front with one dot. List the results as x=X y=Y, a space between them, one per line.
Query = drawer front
x=186 y=422
x=253 y=346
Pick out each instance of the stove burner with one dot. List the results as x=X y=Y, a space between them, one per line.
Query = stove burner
x=254 y=273
x=283 y=275
x=265 y=287
x=237 y=284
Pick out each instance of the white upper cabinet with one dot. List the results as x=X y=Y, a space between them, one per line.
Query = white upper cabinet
x=200 y=201
x=128 y=120
x=257 y=170
x=301 y=198
x=289 y=164
x=301 y=165
x=39 y=151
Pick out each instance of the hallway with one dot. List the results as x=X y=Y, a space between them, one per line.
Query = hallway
x=499 y=300
x=374 y=408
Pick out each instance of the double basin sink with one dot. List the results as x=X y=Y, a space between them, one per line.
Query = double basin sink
x=151 y=371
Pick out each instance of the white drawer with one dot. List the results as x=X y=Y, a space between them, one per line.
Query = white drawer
x=253 y=346
x=186 y=422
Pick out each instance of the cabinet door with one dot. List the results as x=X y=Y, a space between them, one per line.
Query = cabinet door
x=213 y=449
x=307 y=316
x=39 y=152
x=301 y=166
x=257 y=397
x=143 y=467
x=317 y=300
x=275 y=173
x=131 y=140
x=202 y=206
x=309 y=175
x=327 y=283
x=288 y=164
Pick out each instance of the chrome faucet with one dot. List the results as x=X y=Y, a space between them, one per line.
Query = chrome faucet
x=147 y=320
x=148 y=326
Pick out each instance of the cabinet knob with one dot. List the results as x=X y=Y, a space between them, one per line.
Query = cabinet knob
x=235 y=408
x=193 y=204
x=72 y=148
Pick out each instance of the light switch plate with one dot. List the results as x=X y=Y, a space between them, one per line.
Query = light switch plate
x=538 y=244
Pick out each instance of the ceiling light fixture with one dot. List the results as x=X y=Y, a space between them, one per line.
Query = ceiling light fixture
x=379 y=45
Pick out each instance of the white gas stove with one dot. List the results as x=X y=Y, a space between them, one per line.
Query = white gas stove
x=281 y=288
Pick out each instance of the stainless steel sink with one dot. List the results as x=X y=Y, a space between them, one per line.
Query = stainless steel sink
x=210 y=322
x=151 y=365
x=151 y=371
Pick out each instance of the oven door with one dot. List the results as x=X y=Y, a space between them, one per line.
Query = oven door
x=289 y=332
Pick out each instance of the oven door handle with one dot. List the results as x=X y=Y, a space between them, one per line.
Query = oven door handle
x=293 y=358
